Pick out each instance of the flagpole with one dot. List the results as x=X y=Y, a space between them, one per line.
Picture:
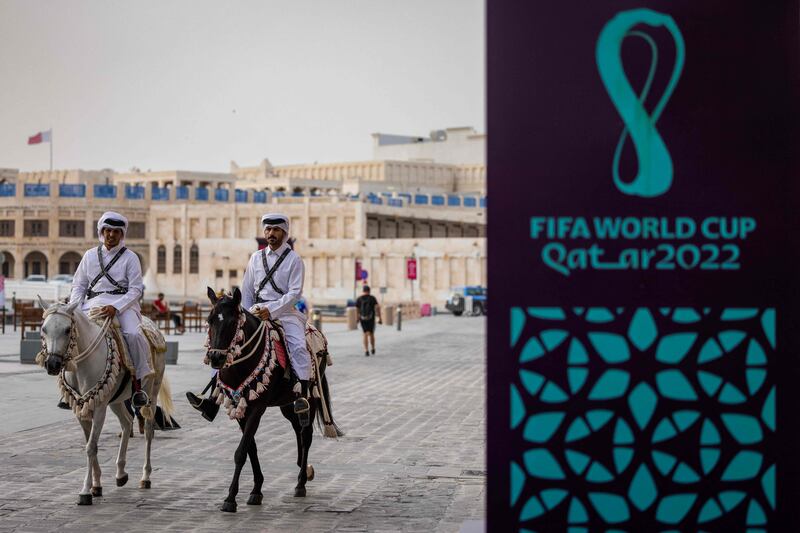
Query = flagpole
x=51 y=149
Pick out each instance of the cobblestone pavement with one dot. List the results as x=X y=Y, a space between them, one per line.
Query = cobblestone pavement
x=412 y=459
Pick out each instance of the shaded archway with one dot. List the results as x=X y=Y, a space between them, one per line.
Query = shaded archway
x=8 y=264
x=68 y=263
x=35 y=263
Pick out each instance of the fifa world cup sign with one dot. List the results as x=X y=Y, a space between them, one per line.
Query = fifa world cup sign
x=644 y=364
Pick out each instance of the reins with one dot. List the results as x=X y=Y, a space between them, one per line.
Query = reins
x=73 y=339
x=239 y=336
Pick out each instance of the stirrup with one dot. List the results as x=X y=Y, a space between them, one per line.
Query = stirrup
x=301 y=409
x=301 y=405
x=140 y=399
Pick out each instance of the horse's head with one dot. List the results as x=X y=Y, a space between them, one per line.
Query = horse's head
x=224 y=323
x=57 y=333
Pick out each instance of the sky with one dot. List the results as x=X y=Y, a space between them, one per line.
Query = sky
x=193 y=85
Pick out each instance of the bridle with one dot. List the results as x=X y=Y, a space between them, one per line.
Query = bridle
x=233 y=353
x=70 y=355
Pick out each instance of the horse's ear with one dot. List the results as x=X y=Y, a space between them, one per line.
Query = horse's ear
x=72 y=306
x=42 y=303
x=237 y=296
x=212 y=295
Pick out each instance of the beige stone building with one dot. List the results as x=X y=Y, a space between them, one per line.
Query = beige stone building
x=197 y=229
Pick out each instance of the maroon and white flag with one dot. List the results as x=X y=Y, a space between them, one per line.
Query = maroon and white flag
x=41 y=137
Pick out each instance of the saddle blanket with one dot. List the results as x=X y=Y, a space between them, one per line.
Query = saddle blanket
x=150 y=331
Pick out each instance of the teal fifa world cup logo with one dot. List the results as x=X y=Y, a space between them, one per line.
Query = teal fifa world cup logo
x=655 y=172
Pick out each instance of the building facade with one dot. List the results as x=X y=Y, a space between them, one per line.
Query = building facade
x=197 y=229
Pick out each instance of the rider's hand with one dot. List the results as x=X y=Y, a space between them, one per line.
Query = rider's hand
x=262 y=313
x=108 y=311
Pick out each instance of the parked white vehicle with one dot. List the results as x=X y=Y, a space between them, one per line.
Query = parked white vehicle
x=29 y=290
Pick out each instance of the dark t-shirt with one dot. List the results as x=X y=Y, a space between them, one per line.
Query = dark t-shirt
x=366 y=306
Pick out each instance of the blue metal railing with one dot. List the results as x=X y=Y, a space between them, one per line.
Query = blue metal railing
x=201 y=193
x=37 y=189
x=8 y=189
x=260 y=197
x=437 y=199
x=134 y=192
x=240 y=196
x=221 y=195
x=421 y=199
x=470 y=201
x=453 y=201
x=182 y=192
x=105 y=191
x=160 y=193
x=483 y=201
x=72 y=190
x=395 y=202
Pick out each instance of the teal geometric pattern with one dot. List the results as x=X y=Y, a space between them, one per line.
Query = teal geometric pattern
x=643 y=419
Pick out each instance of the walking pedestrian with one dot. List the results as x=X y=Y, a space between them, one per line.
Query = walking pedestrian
x=367 y=309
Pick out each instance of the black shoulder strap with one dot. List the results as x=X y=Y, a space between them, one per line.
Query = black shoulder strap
x=104 y=269
x=271 y=271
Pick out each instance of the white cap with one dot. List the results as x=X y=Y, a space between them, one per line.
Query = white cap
x=275 y=220
x=113 y=220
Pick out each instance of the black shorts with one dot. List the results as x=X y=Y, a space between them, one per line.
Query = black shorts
x=368 y=326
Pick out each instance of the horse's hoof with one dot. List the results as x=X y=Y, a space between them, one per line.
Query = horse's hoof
x=255 y=499
x=121 y=481
x=309 y=472
x=144 y=484
x=228 y=507
x=299 y=492
x=97 y=491
x=84 y=499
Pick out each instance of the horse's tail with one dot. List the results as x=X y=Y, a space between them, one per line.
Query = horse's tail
x=165 y=397
x=325 y=423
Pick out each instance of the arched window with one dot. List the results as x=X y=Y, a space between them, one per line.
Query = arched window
x=194 y=260
x=161 y=260
x=177 y=259
x=8 y=265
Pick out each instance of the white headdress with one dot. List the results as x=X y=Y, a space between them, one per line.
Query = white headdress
x=276 y=220
x=111 y=219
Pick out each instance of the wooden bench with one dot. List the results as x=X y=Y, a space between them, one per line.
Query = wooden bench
x=19 y=305
x=31 y=318
x=161 y=320
x=192 y=316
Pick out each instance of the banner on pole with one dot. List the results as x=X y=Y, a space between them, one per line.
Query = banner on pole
x=411 y=268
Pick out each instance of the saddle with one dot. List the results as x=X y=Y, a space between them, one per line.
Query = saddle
x=316 y=344
x=154 y=337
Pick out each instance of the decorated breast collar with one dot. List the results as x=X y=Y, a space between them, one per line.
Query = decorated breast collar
x=255 y=384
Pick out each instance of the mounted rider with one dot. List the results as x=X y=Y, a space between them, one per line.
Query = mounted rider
x=273 y=283
x=109 y=280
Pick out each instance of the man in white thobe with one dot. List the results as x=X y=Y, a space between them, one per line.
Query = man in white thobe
x=273 y=283
x=109 y=280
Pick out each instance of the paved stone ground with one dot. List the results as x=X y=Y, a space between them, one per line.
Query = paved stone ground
x=412 y=459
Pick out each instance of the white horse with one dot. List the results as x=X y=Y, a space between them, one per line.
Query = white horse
x=92 y=377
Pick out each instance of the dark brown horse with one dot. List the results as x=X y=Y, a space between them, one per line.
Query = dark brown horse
x=243 y=359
